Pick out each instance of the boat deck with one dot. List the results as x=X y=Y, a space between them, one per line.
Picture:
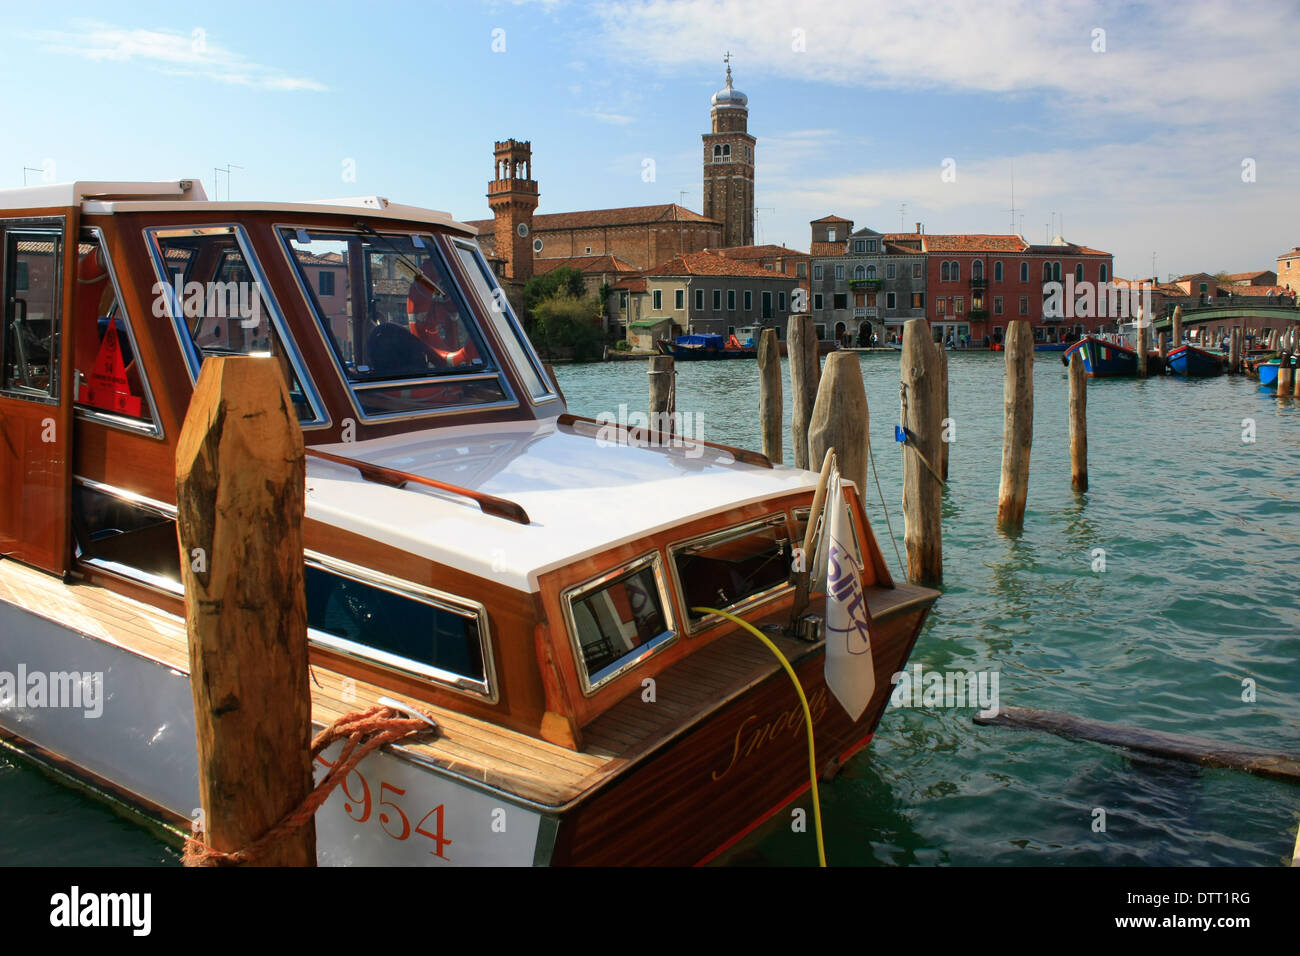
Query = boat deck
x=475 y=750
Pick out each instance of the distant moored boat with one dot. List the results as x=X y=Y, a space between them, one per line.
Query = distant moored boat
x=1191 y=362
x=1102 y=359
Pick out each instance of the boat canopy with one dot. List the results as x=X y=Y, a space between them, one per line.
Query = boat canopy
x=702 y=341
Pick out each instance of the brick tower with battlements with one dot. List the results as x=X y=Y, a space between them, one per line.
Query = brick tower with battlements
x=512 y=197
x=729 y=165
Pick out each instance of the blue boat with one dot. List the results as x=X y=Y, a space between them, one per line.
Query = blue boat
x=1191 y=362
x=1268 y=373
x=694 y=348
x=1102 y=359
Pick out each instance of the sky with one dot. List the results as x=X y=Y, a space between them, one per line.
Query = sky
x=1140 y=129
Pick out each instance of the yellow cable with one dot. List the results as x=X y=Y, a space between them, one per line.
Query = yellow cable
x=807 y=717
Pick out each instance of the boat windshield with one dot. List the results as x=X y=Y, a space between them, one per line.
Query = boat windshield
x=396 y=321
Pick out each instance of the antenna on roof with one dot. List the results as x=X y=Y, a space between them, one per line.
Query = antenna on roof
x=902 y=213
x=758 y=229
x=1013 y=195
x=226 y=169
x=30 y=169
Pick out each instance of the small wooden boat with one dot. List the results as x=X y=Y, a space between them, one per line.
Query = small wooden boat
x=1103 y=359
x=704 y=347
x=456 y=556
x=1192 y=362
x=1269 y=369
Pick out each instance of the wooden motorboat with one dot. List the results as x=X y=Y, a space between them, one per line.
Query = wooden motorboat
x=1103 y=359
x=1192 y=362
x=457 y=556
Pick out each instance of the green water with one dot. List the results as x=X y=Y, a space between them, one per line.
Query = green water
x=1200 y=591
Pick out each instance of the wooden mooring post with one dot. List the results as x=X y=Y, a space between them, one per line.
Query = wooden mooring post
x=663 y=394
x=840 y=418
x=1017 y=425
x=944 y=423
x=1285 y=384
x=1143 y=344
x=805 y=375
x=1078 y=424
x=1234 y=350
x=922 y=487
x=1163 y=346
x=240 y=489
x=770 y=411
x=1176 y=326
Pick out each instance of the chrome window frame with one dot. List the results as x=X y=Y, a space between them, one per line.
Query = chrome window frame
x=126 y=571
x=525 y=343
x=485 y=689
x=592 y=683
x=154 y=428
x=53 y=224
x=193 y=361
x=511 y=400
x=694 y=628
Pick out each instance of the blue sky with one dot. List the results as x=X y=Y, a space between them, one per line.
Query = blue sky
x=1134 y=137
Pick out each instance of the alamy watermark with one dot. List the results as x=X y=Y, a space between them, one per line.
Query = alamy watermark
x=660 y=430
x=73 y=690
x=918 y=687
x=210 y=300
x=1096 y=300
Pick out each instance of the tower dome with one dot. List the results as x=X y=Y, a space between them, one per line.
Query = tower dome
x=729 y=96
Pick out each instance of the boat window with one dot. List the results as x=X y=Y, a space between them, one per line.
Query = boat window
x=493 y=300
x=619 y=620
x=212 y=286
x=391 y=622
x=33 y=277
x=126 y=534
x=733 y=568
x=395 y=321
x=110 y=377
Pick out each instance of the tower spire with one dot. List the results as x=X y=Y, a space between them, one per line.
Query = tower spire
x=727 y=60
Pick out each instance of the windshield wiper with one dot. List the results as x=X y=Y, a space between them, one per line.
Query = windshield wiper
x=416 y=272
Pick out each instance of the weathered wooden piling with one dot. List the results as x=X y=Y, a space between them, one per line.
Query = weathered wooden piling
x=944 y=430
x=1176 y=326
x=805 y=375
x=1078 y=424
x=840 y=418
x=240 y=488
x=662 y=393
x=1163 y=346
x=1017 y=426
x=1142 y=346
x=1285 y=385
x=770 y=411
x=1234 y=350
x=922 y=489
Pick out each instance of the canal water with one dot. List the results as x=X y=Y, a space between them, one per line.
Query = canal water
x=1191 y=626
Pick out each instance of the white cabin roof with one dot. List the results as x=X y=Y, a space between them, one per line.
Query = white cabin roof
x=582 y=495
x=181 y=195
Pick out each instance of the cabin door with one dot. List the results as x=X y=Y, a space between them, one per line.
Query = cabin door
x=35 y=423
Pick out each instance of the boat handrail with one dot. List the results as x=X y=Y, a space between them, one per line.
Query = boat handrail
x=488 y=504
x=740 y=454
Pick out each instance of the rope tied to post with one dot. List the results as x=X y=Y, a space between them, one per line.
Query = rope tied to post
x=363 y=731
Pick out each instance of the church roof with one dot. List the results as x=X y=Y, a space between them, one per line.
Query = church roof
x=711 y=263
x=585 y=264
x=768 y=251
x=596 y=218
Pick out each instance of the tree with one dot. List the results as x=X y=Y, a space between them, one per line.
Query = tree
x=568 y=322
x=564 y=281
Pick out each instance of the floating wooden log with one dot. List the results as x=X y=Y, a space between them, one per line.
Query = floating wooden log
x=770 y=411
x=805 y=375
x=1208 y=753
x=840 y=418
x=240 y=489
x=1078 y=424
x=1018 y=425
x=922 y=489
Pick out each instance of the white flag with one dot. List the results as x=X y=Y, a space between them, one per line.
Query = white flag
x=850 y=673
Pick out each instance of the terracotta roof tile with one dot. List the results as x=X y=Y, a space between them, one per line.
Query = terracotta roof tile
x=709 y=263
x=759 y=252
x=595 y=218
x=1247 y=276
x=830 y=219
x=584 y=264
x=821 y=249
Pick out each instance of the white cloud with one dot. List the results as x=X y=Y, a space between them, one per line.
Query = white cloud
x=191 y=54
x=614 y=119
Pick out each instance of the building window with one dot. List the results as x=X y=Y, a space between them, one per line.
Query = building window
x=870 y=300
x=1024 y=271
x=1078 y=272
x=942 y=306
x=1024 y=305
x=679 y=299
x=1056 y=272
x=871 y=245
x=801 y=269
x=839 y=272
x=977 y=269
x=918 y=300
x=622 y=301
x=916 y=270
x=956 y=272
x=945 y=271
x=871 y=272
x=1047 y=272
x=889 y=271
x=749 y=301
x=891 y=301
x=997 y=305
x=997 y=272
x=699 y=300
x=817 y=302
x=717 y=300
x=326 y=282
x=1103 y=272
x=841 y=300
x=780 y=301
x=657 y=297
x=589 y=250
x=860 y=245
x=958 y=305
x=767 y=304
x=859 y=272
x=731 y=300
x=830 y=234
x=817 y=272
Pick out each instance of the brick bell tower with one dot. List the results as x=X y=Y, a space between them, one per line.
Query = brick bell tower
x=729 y=165
x=512 y=197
